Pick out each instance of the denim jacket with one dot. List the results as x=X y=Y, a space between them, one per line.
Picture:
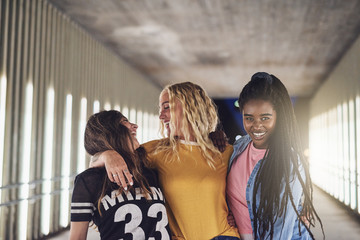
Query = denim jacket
x=290 y=229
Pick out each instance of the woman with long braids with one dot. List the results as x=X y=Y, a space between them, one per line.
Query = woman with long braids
x=269 y=188
x=138 y=213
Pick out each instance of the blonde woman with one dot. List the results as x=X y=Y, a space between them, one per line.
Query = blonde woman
x=192 y=172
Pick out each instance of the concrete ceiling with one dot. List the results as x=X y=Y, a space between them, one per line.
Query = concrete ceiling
x=219 y=44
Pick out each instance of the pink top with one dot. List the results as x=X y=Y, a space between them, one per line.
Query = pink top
x=236 y=186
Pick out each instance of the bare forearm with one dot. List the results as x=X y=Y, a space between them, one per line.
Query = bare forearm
x=78 y=230
x=96 y=162
x=115 y=165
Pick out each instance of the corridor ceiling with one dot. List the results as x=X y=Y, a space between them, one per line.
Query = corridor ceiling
x=219 y=44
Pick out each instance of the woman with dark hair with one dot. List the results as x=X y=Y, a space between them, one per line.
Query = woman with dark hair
x=138 y=213
x=269 y=188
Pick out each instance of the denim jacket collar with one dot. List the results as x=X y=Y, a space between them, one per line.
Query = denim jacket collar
x=239 y=146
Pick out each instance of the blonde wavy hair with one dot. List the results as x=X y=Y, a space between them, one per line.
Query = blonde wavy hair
x=199 y=120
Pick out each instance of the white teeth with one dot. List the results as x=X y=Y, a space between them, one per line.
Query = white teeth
x=259 y=134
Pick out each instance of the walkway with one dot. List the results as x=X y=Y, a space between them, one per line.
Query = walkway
x=338 y=224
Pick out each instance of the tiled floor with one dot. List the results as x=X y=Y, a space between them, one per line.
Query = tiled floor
x=338 y=224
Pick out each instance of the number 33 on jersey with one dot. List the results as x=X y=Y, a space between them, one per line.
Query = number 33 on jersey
x=126 y=216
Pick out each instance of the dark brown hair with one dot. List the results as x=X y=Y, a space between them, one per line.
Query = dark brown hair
x=104 y=131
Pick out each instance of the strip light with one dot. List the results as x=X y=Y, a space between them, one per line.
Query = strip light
x=66 y=166
x=47 y=161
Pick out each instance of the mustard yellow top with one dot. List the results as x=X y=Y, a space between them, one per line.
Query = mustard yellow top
x=194 y=192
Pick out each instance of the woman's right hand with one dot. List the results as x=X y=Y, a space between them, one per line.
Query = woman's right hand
x=231 y=220
x=116 y=168
x=219 y=140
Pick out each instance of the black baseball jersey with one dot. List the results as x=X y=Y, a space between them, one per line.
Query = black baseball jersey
x=127 y=216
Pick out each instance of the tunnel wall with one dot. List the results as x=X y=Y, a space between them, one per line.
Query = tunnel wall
x=53 y=76
x=335 y=131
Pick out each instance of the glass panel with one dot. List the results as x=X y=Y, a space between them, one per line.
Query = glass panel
x=357 y=107
x=107 y=106
x=25 y=161
x=346 y=153
x=352 y=151
x=81 y=165
x=340 y=151
x=146 y=126
x=132 y=116
x=47 y=161
x=2 y=126
x=155 y=124
x=332 y=153
x=96 y=107
x=65 y=163
x=139 y=122
x=125 y=111
x=117 y=107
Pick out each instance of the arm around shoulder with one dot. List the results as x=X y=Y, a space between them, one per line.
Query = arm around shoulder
x=115 y=165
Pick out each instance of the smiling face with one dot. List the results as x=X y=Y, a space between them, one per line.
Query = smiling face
x=132 y=128
x=259 y=119
x=165 y=115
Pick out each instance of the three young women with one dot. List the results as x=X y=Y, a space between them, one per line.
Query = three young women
x=268 y=185
x=138 y=213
